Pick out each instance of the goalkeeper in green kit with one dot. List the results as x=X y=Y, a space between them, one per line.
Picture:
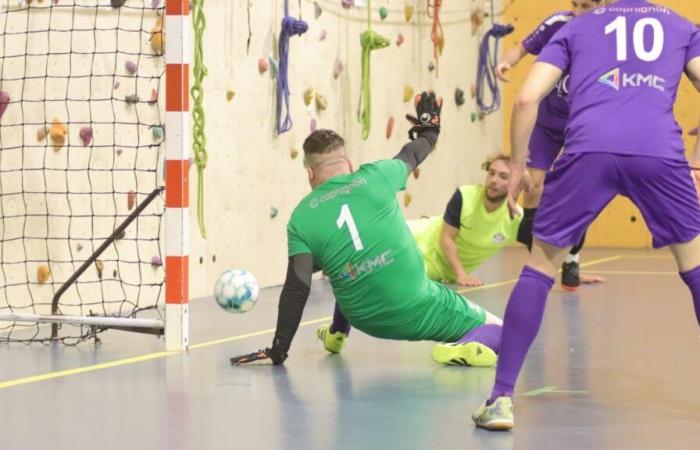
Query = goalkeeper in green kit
x=351 y=227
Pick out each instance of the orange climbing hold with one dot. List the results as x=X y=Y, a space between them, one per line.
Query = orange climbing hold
x=130 y=200
x=158 y=37
x=390 y=127
x=263 y=65
x=58 y=134
x=43 y=273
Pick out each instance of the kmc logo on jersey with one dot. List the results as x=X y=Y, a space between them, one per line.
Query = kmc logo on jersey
x=617 y=80
x=369 y=265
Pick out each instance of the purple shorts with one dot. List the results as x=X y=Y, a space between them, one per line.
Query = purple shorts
x=545 y=145
x=582 y=184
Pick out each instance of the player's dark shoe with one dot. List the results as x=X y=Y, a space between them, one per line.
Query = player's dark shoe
x=570 y=276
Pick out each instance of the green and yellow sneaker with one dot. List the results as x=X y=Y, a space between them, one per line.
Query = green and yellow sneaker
x=332 y=342
x=465 y=354
x=496 y=416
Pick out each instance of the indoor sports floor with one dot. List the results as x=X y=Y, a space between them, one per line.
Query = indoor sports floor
x=614 y=367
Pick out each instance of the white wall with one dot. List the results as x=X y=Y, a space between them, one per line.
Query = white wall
x=250 y=169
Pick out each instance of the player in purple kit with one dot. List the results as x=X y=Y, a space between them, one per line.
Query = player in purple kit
x=547 y=138
x=626 y=61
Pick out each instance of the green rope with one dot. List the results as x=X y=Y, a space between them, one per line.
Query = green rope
x=199 y=139
x=369 y=41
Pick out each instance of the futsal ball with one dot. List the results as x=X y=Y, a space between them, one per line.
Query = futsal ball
x=236 y=291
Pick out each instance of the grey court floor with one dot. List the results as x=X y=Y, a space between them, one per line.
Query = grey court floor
x=615 y=366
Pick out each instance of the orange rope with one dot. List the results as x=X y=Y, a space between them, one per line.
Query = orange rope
x=436 y=35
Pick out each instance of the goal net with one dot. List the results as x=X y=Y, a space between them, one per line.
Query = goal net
x=81 y=152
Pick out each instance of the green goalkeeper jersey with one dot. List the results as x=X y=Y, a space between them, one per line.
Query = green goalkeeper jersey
x=354 y=228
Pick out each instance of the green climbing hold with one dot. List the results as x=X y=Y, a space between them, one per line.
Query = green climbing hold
x=273 y=212
x=473 y=117
x=157 y=132
x=383 y=13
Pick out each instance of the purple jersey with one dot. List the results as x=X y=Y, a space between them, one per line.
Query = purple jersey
x=554 y=109
x=626 y=62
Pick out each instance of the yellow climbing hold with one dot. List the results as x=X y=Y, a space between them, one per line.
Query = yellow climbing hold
x=407 y=199
x=308 y=96
x=321 y=102
x=408 y=12
x=229 y=95
x=407 y=94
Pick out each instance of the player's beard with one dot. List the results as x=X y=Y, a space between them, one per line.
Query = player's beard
x=497 y=198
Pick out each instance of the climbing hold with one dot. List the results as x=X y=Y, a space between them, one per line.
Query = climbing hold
x=312 y=125
x=481 y=116
x=43 y=273
x=407 y=94
x=274 y=67
x=58 y=134
x=130 y=67
x=263 y=65
x=155 y=4
x=154 y=97
x=389 y=127
x=229 y=95
x=86 y=135
x=117 y=3
x=694 y=132
x=130 y=200
x=118 y=151
x=459 y=97
x=4 y=102
x=347 y=4
x=408 y=12
x=157 y=37
x=383 y=13
x=131 y=99
x=41 y=133
x=337 y=68
x=294 y=153
x=416 y=173
x=407 y=199
x=472 y=91
x=273 y=212
x=477 y=18
x=157 y=132
x=317 y=10
x=431 y=66
x=321 y=102
x=117 y=84
x=399 y=40
x=473 y=117
x=100 y=266
x=308 y=96
x=156 y=261
x=79 y=247
x=120 y=236
x=322 y=36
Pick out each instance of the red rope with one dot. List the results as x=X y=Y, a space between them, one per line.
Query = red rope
x=436 y=35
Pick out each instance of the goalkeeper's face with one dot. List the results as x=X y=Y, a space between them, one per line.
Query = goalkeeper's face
x=496 y=182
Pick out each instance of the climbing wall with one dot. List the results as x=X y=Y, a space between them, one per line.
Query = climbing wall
x=620 y=224
x=255 y=177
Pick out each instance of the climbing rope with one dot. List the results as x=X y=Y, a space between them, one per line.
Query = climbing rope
x=199 y=140
x=486 y=72
x=290 y=27
x=436 y=34
x=370 y=41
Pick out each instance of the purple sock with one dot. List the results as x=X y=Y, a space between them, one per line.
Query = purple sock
x=692 y=279
x=340 y=323
x=489 y=335
x=521 y=323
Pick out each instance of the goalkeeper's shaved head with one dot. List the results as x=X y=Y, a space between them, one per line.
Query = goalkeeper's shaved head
x=323 y=146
